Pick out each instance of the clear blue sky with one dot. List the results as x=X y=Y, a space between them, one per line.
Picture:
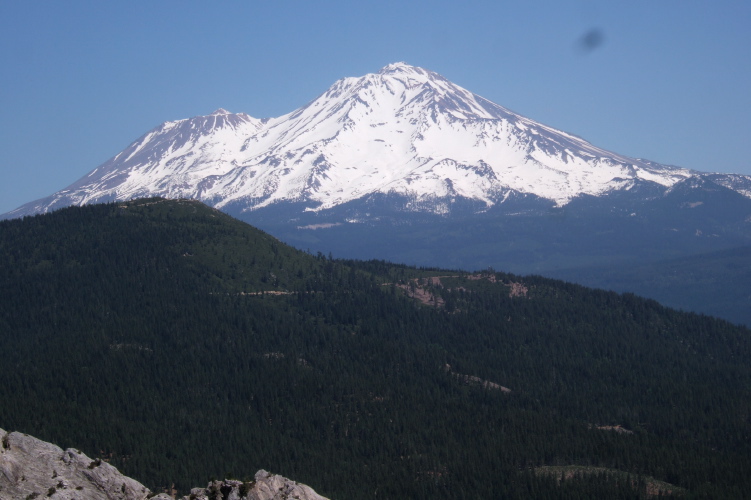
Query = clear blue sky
x=667 y=80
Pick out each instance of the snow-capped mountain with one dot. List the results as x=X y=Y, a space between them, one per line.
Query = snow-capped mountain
x=403 y=165
x=403 y=131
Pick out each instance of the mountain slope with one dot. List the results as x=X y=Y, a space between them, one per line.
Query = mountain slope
x=403 y=131
x=181 y=344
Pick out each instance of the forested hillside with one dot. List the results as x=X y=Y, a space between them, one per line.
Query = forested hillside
x=183 y=345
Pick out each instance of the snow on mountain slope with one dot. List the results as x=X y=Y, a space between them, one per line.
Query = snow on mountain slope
x=403 y=130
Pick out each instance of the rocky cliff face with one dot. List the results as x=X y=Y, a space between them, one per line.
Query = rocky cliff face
x=31 y=468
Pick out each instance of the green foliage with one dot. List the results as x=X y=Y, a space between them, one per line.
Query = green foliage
x=182 y=344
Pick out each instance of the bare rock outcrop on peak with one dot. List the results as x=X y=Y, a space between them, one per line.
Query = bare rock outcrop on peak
x=32 y=468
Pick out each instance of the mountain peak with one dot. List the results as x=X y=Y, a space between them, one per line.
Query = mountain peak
x=220 y=112
x=400 y=67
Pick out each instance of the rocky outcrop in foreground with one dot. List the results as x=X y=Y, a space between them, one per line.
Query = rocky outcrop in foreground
x=266 y=486
x=31 y=468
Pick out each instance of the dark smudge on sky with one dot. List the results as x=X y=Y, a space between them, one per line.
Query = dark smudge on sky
x=590 y=40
